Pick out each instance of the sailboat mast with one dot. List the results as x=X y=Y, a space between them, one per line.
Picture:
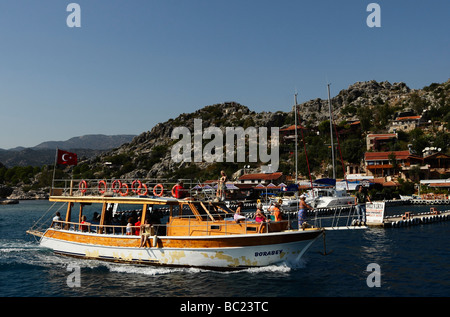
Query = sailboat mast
x=331 y=132
x=295 y=115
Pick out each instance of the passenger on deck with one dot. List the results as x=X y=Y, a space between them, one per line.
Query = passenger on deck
x=178 y=190
x=237 y=216
x=221 y=186
x=259 y=216
x=95 y=218
x=277 y=213
x=301 y=211
x=129 y=230
x=57 y=218
x=146 y=230
x=137 y=226
x=84 y=227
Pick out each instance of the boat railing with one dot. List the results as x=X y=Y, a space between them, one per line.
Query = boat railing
x=123 y=187
x=225 y=226
x=336 y=218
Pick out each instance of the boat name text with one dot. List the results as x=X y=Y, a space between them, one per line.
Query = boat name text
x=267 y=253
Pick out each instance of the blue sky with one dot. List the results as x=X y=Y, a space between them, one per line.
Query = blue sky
x=135 y=63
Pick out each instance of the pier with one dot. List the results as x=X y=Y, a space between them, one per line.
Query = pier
x=429 y=201
x=412 y=219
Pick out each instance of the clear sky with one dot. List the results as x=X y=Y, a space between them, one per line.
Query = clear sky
x=134 y=63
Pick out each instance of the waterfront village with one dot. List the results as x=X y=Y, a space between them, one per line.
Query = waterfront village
x=381 y=169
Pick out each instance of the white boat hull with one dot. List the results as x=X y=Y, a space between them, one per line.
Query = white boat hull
x=222 y=257
x=328 y=202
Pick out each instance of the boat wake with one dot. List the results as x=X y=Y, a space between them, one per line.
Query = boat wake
x=154 y=271
x=11 y=246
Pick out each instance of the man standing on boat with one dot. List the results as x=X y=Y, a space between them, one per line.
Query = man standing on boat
x=178 y=190
x=221 y=186
x=303 y=206
x=360 y=200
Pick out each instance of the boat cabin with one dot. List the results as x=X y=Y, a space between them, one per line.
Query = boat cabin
x=168 y=217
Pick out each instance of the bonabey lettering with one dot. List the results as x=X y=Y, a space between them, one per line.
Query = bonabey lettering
x=267 y=253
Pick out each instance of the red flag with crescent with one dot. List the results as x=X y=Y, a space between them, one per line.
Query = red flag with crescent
x=66 y=158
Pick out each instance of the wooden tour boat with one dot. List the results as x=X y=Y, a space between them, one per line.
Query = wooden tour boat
x=194 y=233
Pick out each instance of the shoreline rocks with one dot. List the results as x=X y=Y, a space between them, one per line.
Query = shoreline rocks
x=8 y=201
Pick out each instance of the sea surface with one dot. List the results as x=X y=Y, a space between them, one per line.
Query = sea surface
x=412 y=261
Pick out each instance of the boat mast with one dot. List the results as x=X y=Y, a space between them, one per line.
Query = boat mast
x=304 y=146
x=331 y=132
x=295 y=115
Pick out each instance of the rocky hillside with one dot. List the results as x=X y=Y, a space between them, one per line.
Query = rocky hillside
x=361 y=95
x=149 y=154
x=372 y=103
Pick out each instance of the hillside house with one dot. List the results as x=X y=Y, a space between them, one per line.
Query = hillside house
x=405 y=124
x=379 y=164
x=261 y=178
x=379 y=142
x=438 y=164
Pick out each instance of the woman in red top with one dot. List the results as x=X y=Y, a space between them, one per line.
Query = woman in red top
x=137 y=229
x=84 y=223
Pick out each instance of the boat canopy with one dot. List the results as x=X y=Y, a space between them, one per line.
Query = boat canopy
x=325 y=181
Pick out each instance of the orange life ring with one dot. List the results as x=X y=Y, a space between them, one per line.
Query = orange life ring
x=162 y=190
x=101 y=185
x=136 y=191
x=113 y=186
x=123 y=193
x=173 y=191
x=146 y=190
x=83 y=186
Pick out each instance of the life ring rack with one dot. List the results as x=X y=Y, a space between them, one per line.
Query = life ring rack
x=113 y=186
x=122 y=188
x=102 y=187
x=137 y=190
x=145 y=192
x=156 y=187
x=173 y=191
x=82 y=186
x=123 y=194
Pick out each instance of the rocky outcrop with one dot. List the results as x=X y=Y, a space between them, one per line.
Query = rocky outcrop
x=150 y=154
x=360 y=94
x=19 y=194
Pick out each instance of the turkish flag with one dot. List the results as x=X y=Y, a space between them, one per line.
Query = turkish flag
x=66 y=158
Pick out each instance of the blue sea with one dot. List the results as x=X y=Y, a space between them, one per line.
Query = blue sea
x=412 y=262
